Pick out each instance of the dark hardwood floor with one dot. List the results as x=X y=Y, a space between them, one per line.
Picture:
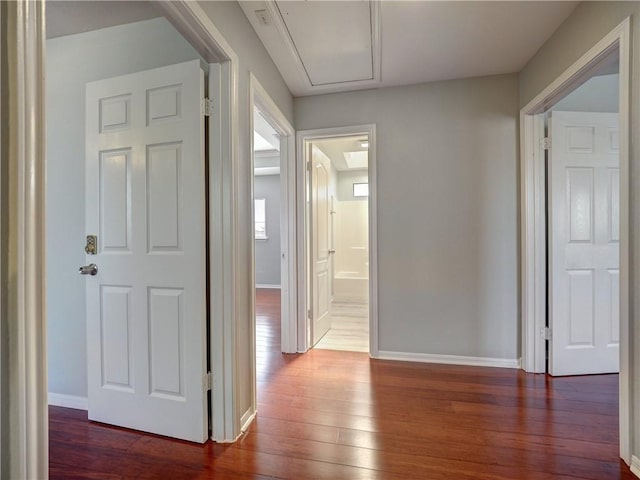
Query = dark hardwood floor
x=339 y=415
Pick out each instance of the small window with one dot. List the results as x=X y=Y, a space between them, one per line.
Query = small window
x=261 y=218
x=360 y=189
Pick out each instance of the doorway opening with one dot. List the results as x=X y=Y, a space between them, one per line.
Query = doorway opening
x=339 y=221
x=583 y=226
x=575 y=224
x=267 y=193
x=134 y=142
x=274 y=301
x=340 y=225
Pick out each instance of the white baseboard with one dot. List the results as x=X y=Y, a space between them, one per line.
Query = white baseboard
x=450 y=359
x=350 y=299
x=635 y=466
x=246 y=419
x=266 y=285
x=68 y=401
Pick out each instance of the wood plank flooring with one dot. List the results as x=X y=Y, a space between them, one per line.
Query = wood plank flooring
x=339 y=415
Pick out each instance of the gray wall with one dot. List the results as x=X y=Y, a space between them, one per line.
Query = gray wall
x=589 y=23
x=72 y=61
x=346 y=179
x=268 y=251
x=229 y=18
x=447 y=210
x=598 y=94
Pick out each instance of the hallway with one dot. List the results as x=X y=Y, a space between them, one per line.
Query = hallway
x=339 y=415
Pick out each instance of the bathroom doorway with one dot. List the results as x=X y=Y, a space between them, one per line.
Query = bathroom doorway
x=339 y=242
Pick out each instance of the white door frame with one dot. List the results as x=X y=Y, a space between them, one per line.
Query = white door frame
x=25 y=424
x=259 y=97
x=302 y=328
x=533 y=204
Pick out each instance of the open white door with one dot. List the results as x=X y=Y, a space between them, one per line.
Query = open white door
x=584 y=206
x=320 y=279
x=145 y=202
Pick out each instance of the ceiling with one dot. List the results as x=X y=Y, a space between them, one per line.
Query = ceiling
x=69 y=17
x=335 y=148
x=322 y=47
x=265 y=139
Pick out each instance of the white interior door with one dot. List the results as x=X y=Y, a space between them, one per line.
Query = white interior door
x=145 y=201
x=321 y=281
x=584 y=206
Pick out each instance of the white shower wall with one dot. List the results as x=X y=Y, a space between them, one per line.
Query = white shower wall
x=351 y=268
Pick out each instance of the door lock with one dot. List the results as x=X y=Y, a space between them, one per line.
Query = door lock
x=91 y=269
x=91 y=248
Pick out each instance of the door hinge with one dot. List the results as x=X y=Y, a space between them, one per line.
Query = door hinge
x=546 y=143
x=546 y=333
x=208 y=381
x=309 y=165
x=207 y=107
x=309 y=314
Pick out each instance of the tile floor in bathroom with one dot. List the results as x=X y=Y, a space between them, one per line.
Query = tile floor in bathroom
x=349 y=328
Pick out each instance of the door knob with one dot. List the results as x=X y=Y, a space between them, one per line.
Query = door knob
x=90 y=269
x=333 y=250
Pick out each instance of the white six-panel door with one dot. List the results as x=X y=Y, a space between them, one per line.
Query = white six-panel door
x=321 y=281
x=584 y=229
x=145 y=201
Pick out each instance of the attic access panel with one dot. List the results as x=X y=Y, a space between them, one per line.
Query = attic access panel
x=332 y=39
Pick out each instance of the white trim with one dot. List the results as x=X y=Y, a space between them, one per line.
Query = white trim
x=533 y=224
x=303 y=137
x=635 y=466
x=450 y=359
x=533 y=282
x=268 y=285
x=68 y=401
x=247 y=418
x=25 y=287
x=259 y=171
x=197 y=28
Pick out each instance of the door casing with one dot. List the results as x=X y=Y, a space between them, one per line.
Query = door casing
x=533 y=216
x=304 y=137
x=259 y=97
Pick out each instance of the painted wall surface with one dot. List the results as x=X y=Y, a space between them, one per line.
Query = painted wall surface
x=71 y=63
x=447 y=210
x=268 y=251
x=352 y=239
x=598 y=94
x=589 y=23
x=229 y=18
x=346 y=179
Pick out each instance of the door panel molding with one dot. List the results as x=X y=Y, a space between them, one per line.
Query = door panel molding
x=581 y=253
x=146 y=306
x=533 y=204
